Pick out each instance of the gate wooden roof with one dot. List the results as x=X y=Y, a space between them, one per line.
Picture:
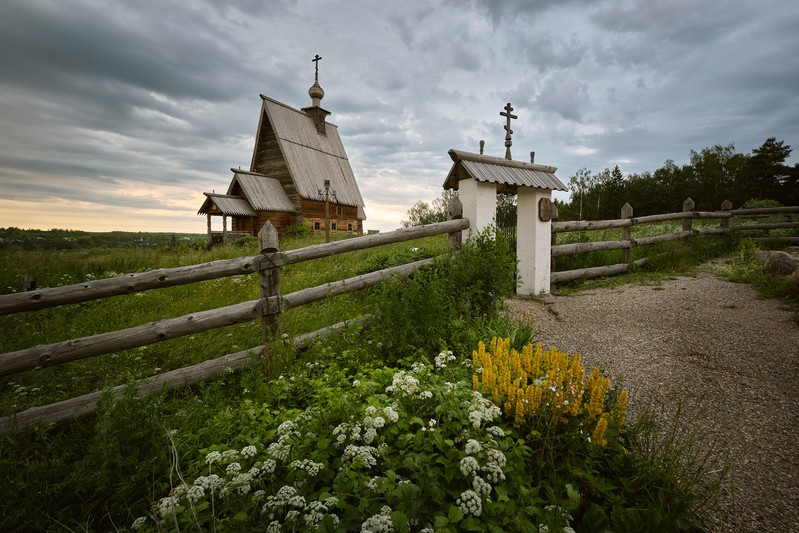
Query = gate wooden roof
x=504 y=172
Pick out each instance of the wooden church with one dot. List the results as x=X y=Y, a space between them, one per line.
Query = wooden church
x=298 y=162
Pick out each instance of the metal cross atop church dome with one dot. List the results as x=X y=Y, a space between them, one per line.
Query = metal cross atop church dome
x=316 y=60
x=509 y=132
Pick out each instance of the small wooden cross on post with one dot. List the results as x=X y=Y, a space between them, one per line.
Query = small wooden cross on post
x=508 y=131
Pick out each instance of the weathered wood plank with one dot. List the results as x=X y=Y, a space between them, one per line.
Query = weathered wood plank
x=368 y=241
x=595 y=272
x=314 y=294
x=46 y=355
x=580 y=225
x=663 y=238
x=776 y=225
x=126 y=284
x=583 y=247
x=662 y=218
x=765 y=211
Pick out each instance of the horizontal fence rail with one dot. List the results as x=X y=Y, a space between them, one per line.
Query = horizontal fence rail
x=267 y=308
x=627 y=242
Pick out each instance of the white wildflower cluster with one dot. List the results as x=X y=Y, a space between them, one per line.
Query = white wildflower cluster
x=249 y=452
x=288 y=429
x=359 y=456
x=482 y=487
x=315 y=512
x=493 y=473
x=293 y=507
x=209 y=483
x=443 y=358
x=379 y=523
x=194 y=494
x=473 y=447
x=166 y=506
x=139 y=523
x=280 y=450
x=307 y=465
x=366 y=430
x=391 y=414
x=374 y=484
x=213 y=457
x=425 y=395
x=470 y=503
x=431 y=425
x=469 y=466
x=418 y=368
x=490 y=473
x=233 y=468
x=403 y=384
x=561 y=515
x=496 y=431
x=481 y=410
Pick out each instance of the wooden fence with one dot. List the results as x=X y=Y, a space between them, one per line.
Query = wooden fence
x=267 y=309
x=627 y=242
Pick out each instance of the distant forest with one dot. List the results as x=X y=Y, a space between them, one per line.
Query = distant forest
x=63 y=239
x=713 y=175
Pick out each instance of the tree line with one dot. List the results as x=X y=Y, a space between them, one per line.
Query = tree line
x=711 y=176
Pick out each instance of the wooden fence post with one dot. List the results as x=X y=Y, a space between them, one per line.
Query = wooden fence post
x=553 y=261
x=726 y=205
x=269 y=280
x=454 y=212
x=626 y=232
x=687 y=207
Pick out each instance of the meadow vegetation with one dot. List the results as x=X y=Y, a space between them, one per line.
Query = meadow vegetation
x=441 y=415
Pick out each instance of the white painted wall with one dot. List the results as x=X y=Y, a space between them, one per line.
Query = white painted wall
x=533 y=242
x=479 y=204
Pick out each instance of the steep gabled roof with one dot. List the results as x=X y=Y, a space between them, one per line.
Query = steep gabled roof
x=262 y=192
x=310 y=156
x=224 y=204
x=501 y=171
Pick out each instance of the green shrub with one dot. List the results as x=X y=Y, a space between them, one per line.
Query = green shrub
x=298 y=230
x=760 y=203
x=436 y=308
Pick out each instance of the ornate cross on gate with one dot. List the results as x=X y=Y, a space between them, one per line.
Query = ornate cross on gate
x=508 y=131
x=316 y=60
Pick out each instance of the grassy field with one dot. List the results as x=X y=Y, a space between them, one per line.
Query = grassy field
x=126 y=465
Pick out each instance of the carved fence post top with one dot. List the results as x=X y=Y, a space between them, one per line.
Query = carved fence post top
x=268 y=239
x=688 y=205
x=627 y=211
x=454 y=208
x=726 y=205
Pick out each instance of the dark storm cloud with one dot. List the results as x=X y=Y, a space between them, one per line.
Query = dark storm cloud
x=103 y=100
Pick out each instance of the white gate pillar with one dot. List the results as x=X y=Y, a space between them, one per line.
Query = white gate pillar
x=479 y=204
x=533 y=242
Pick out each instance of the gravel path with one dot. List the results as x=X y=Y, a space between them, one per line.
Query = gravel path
x=692 y=337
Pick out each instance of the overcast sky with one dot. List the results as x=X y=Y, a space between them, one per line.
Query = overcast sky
x=117 y=115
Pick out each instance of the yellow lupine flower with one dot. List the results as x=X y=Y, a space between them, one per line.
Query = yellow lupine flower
x=519 y=418
x=599 y=431
x=535 y=381
x=620 y=410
